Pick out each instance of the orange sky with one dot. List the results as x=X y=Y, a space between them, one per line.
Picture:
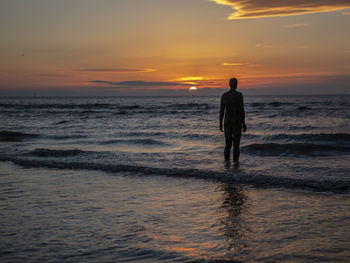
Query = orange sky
x=108 y=46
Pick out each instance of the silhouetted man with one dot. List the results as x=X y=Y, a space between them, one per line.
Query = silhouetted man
x=233 y=109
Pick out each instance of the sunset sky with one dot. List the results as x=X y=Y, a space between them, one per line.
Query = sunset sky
x=138 y=47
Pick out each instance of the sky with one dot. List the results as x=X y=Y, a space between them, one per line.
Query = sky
x=164 y=47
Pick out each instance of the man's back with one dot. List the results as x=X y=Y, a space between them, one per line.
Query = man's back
x=232 y=105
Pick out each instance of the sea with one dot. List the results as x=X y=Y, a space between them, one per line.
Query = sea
x=143 y=179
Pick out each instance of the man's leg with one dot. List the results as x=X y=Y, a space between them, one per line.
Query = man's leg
x=228 y=141
x=237 y=132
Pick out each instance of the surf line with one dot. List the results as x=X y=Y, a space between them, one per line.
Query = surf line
x=239 y=177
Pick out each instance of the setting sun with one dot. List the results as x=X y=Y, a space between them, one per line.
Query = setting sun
x=192 y=88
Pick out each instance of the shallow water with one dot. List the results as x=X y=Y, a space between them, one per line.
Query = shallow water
x=143 y=180
x=88 y=216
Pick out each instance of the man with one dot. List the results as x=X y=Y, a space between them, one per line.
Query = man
x=233 y=109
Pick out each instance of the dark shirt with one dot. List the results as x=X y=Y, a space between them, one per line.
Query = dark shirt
x=233 y=109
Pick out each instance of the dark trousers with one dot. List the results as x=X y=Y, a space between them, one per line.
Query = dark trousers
x=232 y=137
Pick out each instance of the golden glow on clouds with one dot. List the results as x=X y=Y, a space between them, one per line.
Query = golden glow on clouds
x=272 y=8
x=191 y=79
x=117 y=70
x=295 y=75
x=235 y=64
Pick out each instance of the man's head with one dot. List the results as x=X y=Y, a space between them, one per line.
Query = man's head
x=233 y=83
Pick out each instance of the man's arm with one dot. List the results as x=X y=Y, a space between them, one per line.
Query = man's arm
x=242 y=111
x=222 y=112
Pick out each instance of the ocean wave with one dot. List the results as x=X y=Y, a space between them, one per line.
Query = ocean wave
x=193 y=136
x=57 y=106
x=295 y=149
x=90 y=106
x=240 y=177
x=114 y=109
x=67 y=137
x=147 y=142
x=55 y=153
x=303 y=108
x=189 y=106
x=60 y=122
x=196 y=136
x=12 y=136
x=321 y=137
x=143 y=133
x=279 y=104
x=271 y=104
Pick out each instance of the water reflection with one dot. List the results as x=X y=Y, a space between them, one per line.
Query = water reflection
x=234 y=203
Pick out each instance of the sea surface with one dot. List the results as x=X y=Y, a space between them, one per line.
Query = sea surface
x=143 y=179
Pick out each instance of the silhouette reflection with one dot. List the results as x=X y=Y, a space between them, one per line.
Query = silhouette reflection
x=234 y=202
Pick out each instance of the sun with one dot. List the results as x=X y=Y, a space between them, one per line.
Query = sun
x=192 y=88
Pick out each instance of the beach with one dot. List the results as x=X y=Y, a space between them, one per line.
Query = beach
x=142 y=179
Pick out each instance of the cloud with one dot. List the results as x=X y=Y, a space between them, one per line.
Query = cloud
x=117 y=70
x=297 y=25
x=266 y=46
x=235 y=64
x=346 y=13
x=297 y=75
x=136 y=83
x=192 y=78
x=49 y=75
x=272 y=8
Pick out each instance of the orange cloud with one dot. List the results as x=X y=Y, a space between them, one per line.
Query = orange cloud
x=137 y=83
x=117 y=70
x=192 y=78
x=49 y=75
x=272 y=8
x=295 y=75
x=235 y=64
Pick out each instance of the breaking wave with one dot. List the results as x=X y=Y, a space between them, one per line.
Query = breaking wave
x=240 y=177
